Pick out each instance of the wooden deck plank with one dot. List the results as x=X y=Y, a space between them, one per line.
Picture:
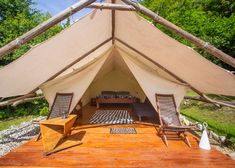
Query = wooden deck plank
x=102 y=149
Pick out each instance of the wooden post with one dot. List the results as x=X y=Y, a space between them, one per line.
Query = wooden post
x=112 y=6
x=198 y=42
x=43 y=27
x=166 y=70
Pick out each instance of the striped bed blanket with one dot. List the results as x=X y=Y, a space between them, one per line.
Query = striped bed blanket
x=111 y=117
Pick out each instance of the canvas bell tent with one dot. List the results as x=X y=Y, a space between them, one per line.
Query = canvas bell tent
x=112 y=50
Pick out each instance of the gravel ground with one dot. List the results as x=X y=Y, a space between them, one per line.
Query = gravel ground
x=17 y=135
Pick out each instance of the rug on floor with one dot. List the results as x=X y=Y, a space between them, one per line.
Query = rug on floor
x=127 y=130
x=111 y=117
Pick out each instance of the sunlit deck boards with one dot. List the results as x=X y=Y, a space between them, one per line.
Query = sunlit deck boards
x=101 y=149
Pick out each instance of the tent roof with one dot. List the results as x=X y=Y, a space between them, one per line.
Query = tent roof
x=45 y=60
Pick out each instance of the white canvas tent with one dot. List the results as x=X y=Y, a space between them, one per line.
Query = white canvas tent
x=149 y=60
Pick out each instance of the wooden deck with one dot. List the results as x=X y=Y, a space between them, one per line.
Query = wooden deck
x=102 y=149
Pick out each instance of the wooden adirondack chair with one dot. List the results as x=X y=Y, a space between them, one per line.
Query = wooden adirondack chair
x=169 y=118
x=62 y=103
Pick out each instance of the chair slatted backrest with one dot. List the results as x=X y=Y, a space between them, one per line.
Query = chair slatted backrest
x=167 y=109
x=62 y=103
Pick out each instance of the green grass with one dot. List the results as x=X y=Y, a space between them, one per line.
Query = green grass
x=220 y=120
x=4 y=124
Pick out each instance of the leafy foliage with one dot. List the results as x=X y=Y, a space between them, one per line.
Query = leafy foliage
x=44 y=111
x=210 y=20
x=30 y=108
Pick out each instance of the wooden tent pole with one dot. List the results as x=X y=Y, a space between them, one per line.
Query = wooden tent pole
x=113 y=23
x=218 y=102
x=228 y=104
x=9 y=102
x=16 y=103
x=166 y=70
x=198 y=42
x=112 y=6
x=43 y=27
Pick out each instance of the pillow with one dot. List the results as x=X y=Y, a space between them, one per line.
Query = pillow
x=108 y=94
x=122 y=94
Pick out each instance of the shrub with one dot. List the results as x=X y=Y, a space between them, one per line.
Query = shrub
x=29 y=108
x=44 y=111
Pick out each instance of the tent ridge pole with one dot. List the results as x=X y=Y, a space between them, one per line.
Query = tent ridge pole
x=193 y=39
x=11 y=46
x=113 y=23
x=111 y=6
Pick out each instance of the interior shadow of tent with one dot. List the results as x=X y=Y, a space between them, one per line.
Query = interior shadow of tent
x=68 y=142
